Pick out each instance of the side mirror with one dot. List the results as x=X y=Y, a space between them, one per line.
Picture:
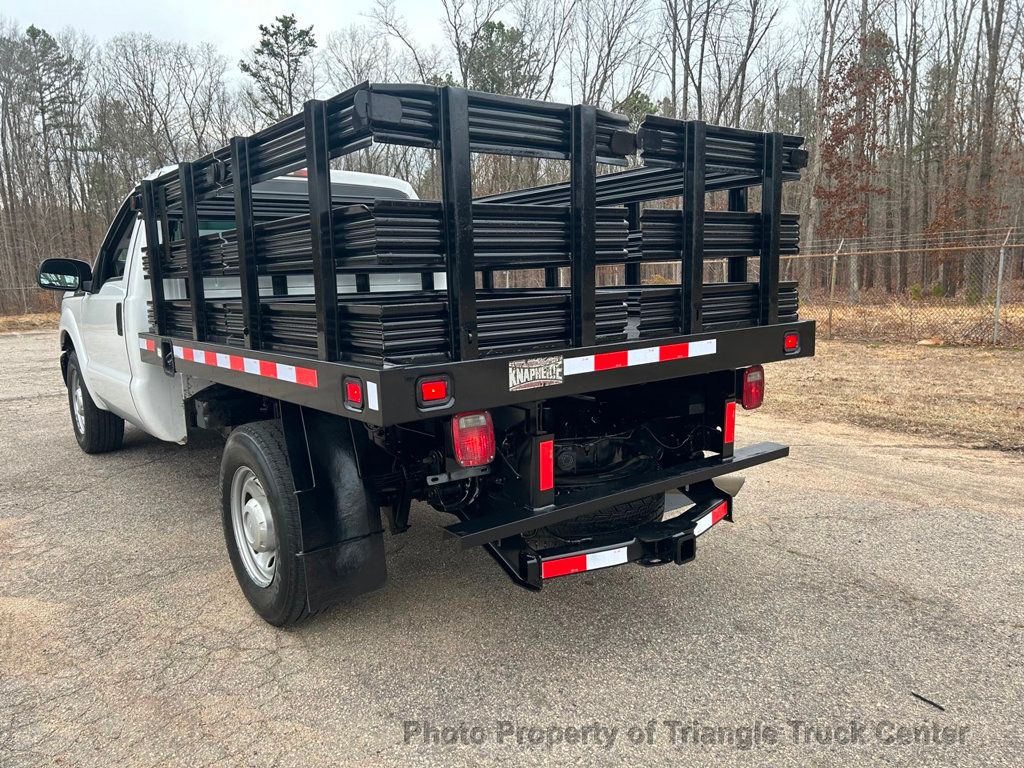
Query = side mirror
x=63 y=274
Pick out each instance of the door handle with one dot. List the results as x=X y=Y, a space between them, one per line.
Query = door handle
x=119 y=319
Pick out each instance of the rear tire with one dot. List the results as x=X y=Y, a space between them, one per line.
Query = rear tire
x=261 y=522
x=96 y=430
x=621 y=517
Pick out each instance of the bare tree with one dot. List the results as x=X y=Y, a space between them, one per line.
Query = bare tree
x=610 y=52
x=427 y=61
x=464 y=22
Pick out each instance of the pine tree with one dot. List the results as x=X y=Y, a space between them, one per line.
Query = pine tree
x=280 y=69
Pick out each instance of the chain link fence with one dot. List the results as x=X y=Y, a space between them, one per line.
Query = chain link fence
x=953 y=287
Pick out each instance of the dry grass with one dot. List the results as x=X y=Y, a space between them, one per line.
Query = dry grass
x=41 y=320
x=969 y=396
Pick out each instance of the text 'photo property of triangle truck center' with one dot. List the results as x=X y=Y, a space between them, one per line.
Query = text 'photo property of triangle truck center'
x=353 y=343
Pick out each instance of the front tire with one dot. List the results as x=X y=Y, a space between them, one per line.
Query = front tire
x=261 y=522
x=96 y=430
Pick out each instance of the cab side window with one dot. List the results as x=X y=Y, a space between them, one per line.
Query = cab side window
x=113 y=256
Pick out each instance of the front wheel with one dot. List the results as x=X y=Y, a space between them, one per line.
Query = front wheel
x=261 y=522
x=96 y=430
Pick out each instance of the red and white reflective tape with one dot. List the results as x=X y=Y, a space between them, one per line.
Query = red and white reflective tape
x=147 y=345
x=563 y=566
x=627 y=358
x=265 y=368
x=712 y=517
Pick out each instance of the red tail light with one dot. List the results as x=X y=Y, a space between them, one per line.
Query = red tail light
x=473 y=438
x=753 y=387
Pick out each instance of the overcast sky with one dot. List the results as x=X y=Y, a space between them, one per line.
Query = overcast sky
x=229 y=24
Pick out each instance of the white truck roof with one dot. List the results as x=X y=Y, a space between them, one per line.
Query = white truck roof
x=354 y=178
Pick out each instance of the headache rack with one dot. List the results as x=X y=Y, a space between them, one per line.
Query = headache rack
x=269 y=337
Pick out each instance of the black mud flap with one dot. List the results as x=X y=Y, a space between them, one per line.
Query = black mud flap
x=342 y=550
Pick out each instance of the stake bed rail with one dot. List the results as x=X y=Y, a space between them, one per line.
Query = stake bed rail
x=216 y=219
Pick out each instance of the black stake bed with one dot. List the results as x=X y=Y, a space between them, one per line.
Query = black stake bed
x=287 y=289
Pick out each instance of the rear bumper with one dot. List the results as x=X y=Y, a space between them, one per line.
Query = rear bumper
x=659 y=543
x=507 y=522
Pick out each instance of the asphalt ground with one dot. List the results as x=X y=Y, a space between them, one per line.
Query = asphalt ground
x=867 y=603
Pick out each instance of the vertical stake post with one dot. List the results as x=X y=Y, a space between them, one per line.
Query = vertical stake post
x=457 y=194
x=692 y=262
x=325 y=276
x=583 y=219
x=153 y=253
x=771 y=216
x=190 y=232
x=737 y=269
x=248 y=273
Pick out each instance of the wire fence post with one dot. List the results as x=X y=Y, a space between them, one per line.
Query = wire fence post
x=832 y=285
x=999 y=287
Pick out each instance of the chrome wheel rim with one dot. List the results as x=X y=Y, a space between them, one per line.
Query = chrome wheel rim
x=253 y=525
x=78 y=404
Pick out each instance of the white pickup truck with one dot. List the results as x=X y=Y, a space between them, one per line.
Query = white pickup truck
x=105 y=310
x=350 y=341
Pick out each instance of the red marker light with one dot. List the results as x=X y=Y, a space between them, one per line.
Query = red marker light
x=729 y=428
x=354 y=393
x=433 y=390
x=546 y=479
x=791 y=342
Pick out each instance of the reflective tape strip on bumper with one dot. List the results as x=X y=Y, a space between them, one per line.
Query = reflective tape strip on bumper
x=627 y=358
x=254 y=366
x=592 y=561
x=712 y=517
